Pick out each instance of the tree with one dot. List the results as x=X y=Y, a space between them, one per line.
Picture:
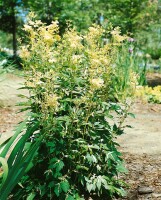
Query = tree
x=9 y=19
x=131 y=15
x=82 y=13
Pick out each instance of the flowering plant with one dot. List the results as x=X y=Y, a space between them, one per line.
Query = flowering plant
x=69 y=80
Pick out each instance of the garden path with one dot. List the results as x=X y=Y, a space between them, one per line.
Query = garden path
x=145 y=134
x=141 y=148
x=9 y=85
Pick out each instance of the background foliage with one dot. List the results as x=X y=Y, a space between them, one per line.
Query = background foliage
x=131 y=15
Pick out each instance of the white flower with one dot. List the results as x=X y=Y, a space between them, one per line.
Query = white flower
x=96 y=83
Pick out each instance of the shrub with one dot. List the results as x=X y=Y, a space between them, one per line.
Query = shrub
x=154 y=51
x=69 y=80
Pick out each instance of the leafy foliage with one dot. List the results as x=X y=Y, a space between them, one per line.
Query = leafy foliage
x=69 y=80
x=82 y=13
x=18 y=157
x=9 y=19
x=132 y=15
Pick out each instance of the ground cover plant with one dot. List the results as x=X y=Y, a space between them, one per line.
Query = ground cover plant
x=71 y=126
x=149 y=94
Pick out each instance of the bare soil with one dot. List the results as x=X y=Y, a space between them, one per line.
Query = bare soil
x=9 y=116
x=9 y=119
x=141 y=149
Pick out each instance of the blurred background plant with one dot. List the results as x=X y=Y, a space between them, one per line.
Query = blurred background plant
x=149 y=94
x=130 y=70
x=8 y=63
x=132 y=16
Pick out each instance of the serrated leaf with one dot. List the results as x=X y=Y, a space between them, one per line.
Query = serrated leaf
x=95 y=146
x=65 y=186
x=51 y=184
x=60 y=166
x=91 y=158
x=94 y=159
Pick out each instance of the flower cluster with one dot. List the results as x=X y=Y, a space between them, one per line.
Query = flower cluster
x=96 y=83
x=117 y=37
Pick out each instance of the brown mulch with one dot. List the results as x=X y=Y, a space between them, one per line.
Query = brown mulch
x=9 y=118
x=143 y=170
x=153 y=79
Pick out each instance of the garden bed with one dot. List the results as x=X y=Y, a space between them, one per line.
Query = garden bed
x=142 y=160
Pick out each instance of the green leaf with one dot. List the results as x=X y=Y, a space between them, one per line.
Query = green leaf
x=5 y=169
x=98 y=183
x=65 y=186
x=31 y=196
x=121 y=192
x=131 y=115
x=121 y=168
x=51 y=184
x=30 y=165
x=91 y=158
x=113 y=156
x=89 y=187
x=19 y=129
x=94 y=146
x=19 y=160
x=82 y=167
x=69 y=197
x=94 y=159
x=59 y=166
x=57 y=190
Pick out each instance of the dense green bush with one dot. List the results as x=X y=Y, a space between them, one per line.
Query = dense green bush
x=69 y=80
x=154 y=52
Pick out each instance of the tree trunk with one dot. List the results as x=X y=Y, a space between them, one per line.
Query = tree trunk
x=14 y=42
